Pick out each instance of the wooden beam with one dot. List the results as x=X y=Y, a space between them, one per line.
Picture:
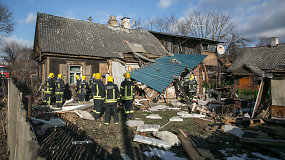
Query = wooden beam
x=190 y=149
x=258 y=99
x=206 y=74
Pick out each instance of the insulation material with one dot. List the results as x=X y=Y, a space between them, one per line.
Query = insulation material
x=118 y=71
x=277 y=91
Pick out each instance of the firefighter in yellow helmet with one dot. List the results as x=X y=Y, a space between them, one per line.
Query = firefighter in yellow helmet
x=127 y=93
x=98 y=95
x=59 y=90
x=111 y=98
x=48 y=89
x=82 y=89
x=191 y=86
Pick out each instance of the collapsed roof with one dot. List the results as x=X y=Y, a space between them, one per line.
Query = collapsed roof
x=159 y=75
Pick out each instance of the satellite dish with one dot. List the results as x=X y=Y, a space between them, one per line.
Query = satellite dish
x=220 y=49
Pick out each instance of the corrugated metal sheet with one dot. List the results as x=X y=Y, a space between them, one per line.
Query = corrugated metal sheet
x=159 y=74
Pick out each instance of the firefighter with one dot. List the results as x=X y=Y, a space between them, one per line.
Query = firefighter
x=190 y=85
x=59 y=90
x=127 y=93
x=195 y=88
x=92 y=79
x=78 y=80
x=82 y=89
x=98 y=95
x=48 y=90
x=111 y=98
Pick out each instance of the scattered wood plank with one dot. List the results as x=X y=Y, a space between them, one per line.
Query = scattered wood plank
x=189 y=147
x=258 y=99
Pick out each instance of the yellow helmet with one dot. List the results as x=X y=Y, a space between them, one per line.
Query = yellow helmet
x=77 y=77
x=110 y=79
x=59 y=76
x=127 y=75
x=97 y=76
x=93 y=75
x=51 y=75
x=191 y=77
x=83 y=77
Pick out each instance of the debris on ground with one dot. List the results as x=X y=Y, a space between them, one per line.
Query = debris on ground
x=151 y=141
x=162 y=154
x=148 y=128
x=84 y=114
x=158 y=107
x=175 y=119
x=154 y=116
x=168 y=137
x=134 y=123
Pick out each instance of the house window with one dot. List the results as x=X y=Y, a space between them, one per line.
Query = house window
x=73 y=71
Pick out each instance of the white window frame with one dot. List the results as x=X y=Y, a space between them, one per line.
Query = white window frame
x=74 y=72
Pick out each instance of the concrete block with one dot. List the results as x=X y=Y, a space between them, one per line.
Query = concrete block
x=168 y=137
x=233 y=130
x=154 y=116
x=148 y=128
x=158 y=107
x=134 y=123
x=151 y=141
x=175 y=119
x=182 y=113
x=84 y=114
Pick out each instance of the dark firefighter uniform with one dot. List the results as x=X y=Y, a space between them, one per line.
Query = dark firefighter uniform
x=78 y=80
x=92 y=79
x=59 y=90
x=191 y=86
x=82 y=89
x=127 y=93
x=111 y=98
x=98 y=93
x=48 y=90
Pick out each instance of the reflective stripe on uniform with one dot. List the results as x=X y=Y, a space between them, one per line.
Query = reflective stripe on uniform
x=96 y=112
x=58 y=93
x=126 y=97
x=97 y=90
x=47 y=92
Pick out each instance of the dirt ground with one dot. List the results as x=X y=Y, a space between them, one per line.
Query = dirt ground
x=111 y=141
x=4 y=152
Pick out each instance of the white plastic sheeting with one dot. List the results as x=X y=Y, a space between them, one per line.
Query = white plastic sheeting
x=118 y=71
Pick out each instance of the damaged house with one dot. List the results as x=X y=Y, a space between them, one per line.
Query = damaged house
x=262 y=70
x=192 y=45
x=75 y=47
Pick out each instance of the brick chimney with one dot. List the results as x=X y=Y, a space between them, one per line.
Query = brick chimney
x=113 y=22
x=274 y=41
x=125 y=23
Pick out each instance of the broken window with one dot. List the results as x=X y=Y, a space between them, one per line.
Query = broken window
x=73 y=71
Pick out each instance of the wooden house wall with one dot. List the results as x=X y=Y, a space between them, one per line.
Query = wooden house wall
x=179 y=44
x=61 y=65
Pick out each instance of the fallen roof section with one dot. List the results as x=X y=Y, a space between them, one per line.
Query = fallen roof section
x=159 y=74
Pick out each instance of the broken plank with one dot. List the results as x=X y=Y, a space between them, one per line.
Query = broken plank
x=190 y=149
x=258 y=99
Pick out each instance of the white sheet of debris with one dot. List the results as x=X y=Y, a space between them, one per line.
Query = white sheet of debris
x=154 y=116
x=174 y=108
x=148 y=128
x=168 y=137
x=185 y=114
x=84 y=114
x=233 y=130
x=165 y=155
x=158 y=107
x=134 y=123
x=175 y=119
x=151 y=141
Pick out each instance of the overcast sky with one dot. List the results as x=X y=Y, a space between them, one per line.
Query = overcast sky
x=252 y=18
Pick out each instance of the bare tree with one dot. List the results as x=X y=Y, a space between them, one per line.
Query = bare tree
x=6 y=20
x=263 y=41
x=166 y=24
x=137 y=24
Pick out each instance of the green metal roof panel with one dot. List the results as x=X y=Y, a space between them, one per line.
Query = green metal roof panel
x=159 y=74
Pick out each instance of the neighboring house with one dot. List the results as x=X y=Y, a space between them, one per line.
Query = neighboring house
x=256 y=64
x=75 y=47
